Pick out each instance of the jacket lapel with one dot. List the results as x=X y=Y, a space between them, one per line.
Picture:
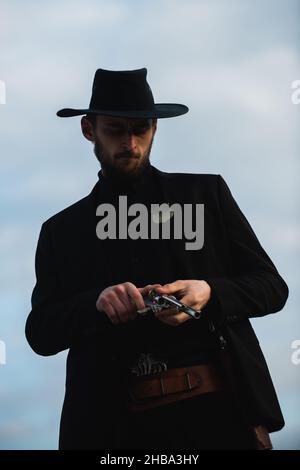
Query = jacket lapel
x=188 y=262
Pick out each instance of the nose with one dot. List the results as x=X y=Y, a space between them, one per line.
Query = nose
x=129 y=141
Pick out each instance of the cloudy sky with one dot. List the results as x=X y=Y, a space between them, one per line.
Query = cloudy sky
x=233 y=63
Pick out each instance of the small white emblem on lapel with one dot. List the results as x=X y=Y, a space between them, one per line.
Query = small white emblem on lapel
x=162 y=216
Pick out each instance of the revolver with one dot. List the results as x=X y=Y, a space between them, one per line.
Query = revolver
x=156 y=302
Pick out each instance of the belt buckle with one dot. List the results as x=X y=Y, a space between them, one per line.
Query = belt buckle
x=188 y=381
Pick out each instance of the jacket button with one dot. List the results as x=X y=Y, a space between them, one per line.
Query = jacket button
x=232 y=318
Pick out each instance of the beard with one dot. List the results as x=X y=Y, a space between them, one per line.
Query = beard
x=116 y=172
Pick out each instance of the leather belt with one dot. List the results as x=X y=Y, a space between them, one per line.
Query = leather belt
x=172 y=385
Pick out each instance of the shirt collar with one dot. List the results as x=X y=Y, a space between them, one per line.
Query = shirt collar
x=117 y=187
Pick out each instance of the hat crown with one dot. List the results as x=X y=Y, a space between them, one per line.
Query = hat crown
x=127 y=94
x=123 y=90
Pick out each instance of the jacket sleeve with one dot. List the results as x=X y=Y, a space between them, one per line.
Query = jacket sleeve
x=56 y=320
x=255 y=289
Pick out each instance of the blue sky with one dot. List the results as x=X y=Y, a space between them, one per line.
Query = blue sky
x=233 y=64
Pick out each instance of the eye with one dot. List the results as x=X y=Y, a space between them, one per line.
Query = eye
x=137 y=130
x=140 y=130
x=114 y=130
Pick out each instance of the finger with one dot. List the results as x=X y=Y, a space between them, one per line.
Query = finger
x=126 y=300
x=109 y=311
x=120 y=292
x=168 y=312
x=182 y=317
x=131 y=307
x=168 y=321
x=119 y=307
x=132 y=310
x=135 y=295
x=121 y=310
x=171 y=288
x=146 y=289
x=124 y=304
x=189 y=300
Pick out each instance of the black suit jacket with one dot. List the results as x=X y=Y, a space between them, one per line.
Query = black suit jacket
x=244 y=282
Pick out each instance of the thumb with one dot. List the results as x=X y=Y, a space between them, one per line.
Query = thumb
x=146 y=289
x=167 y=288
x=173 y=287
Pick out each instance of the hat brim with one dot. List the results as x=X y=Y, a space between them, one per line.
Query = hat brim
x=161 y=110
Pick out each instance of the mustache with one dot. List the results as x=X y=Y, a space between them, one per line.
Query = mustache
x=128 y=155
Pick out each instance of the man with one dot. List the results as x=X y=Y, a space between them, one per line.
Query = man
x=162 y=380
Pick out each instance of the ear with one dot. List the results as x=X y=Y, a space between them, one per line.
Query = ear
x=154 y=125
x=87 y=129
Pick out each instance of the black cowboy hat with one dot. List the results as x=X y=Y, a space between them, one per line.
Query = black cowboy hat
x=124 y=93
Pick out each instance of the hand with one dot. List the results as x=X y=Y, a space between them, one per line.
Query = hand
x=120 y=302
x=146 y=289
x=191 y=292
